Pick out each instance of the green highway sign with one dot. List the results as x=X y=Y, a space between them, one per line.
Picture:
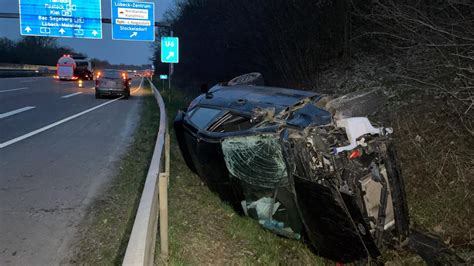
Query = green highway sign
x=169 y=50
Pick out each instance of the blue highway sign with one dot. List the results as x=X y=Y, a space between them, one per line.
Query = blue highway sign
x=133 y=21
x=169 y=50
x=61 y=18
x=163 y=76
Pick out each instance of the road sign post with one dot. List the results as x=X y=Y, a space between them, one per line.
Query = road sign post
x=170 y=53
x=53 y=18
x=163 y=78
x=133 y=20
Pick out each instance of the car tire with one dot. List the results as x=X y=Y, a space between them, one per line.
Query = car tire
x=126 y=95
x=254 y=78
x=97 y=95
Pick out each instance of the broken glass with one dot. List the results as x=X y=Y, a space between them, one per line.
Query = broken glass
x=256 y=160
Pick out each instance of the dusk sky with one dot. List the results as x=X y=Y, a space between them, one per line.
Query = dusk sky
x=115 y=52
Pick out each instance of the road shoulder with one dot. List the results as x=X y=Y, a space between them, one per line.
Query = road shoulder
x=103 y=234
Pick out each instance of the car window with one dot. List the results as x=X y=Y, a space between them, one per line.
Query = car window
x=82 y=64
x=256 y=160
x=230 y=123
x=112 y=74
x=201 y=116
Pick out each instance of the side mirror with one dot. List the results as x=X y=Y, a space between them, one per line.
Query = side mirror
x=204 y=88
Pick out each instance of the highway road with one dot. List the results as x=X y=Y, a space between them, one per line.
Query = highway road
x=59 y=147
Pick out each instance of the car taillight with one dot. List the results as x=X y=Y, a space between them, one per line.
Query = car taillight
x=355 y=154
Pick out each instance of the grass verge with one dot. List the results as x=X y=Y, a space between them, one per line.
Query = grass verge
x=104 y=238
x=204 y=230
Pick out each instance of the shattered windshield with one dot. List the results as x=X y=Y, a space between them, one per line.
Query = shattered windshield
x=257 y=160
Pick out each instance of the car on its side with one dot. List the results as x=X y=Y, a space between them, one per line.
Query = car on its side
x=111 y=82
x=302 y=166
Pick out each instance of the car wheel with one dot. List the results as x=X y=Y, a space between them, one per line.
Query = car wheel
x=127 y=95
x=97 y=95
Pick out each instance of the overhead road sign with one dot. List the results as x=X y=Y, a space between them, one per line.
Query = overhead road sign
x=169 y=50
x=61 y=18
x=163 y=77
x=133 y=20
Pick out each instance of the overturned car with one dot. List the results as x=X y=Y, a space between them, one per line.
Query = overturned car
x=304 y=167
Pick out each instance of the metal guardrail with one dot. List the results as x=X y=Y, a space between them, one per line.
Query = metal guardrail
x=21 y=70
x=24 y=67
x=141 y=245
x=10 y=73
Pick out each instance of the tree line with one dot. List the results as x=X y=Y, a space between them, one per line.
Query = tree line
x=290 y=41
x=32 y=50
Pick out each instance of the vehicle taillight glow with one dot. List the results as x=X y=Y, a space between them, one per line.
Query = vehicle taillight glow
x=355 y=154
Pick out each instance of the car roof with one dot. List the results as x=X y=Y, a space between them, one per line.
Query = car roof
x=245 y=98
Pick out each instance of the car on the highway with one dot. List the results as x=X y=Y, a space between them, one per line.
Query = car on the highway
x=112 y=82
x=42 y=70
x=302 y=165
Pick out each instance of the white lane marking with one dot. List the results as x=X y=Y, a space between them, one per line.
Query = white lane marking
x=36 y=132
x=71 y=95
x=17 y=111
x=18 y=89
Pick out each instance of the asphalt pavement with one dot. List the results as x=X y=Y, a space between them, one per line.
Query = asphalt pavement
x=59 y=148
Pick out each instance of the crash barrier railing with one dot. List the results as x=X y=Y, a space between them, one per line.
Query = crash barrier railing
x=12 y=73
x=8 y=66
x=141 y=245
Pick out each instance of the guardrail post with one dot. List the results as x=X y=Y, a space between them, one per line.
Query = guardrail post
x=167 y=152
x=163 y=183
